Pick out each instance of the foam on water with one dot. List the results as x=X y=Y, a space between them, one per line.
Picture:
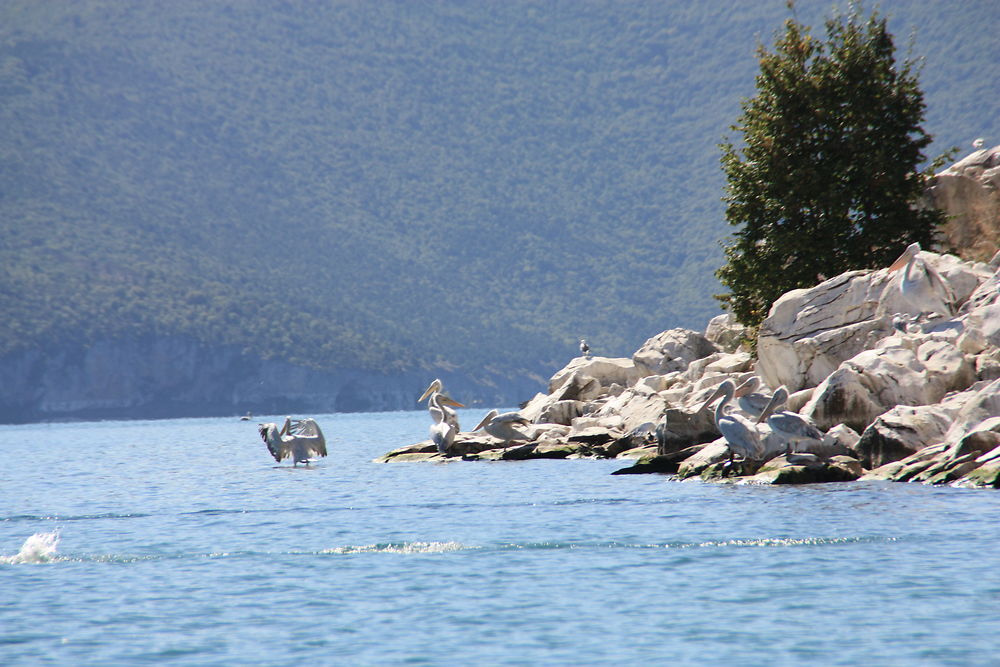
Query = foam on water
x=399 y=548
x=39 y=548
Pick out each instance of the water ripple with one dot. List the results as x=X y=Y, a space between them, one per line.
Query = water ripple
x=78 y=517
x=40 y=548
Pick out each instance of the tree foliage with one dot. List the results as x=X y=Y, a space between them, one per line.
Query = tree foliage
x=827 y=177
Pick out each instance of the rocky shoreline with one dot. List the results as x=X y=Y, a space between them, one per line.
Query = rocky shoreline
x=899 y=392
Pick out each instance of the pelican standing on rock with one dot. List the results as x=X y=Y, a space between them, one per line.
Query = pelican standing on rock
x=584 y=348
x=660 y=433
x=740 y=434
x=501 y=426
x=789 y=428
x=300 y=439
x=443 y=430
x=750 y=401
x=921 y=285
x=436 y=388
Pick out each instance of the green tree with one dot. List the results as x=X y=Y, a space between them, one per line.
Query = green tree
x=827 y=175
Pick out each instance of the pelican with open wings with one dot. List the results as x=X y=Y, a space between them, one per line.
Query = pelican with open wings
x=298 y=439
x=501 y=426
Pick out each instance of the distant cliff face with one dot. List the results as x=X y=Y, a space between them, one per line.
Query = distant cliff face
x=177 y=377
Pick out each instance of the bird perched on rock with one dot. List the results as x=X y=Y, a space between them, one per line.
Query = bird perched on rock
x=978 y=143
x=443 y=431
x=300 y=439
x=440 y=400
x=740 y=434
x=749 y=399
x=584 y=348
x=501 y=426
x=921 y=285
x=789 y=429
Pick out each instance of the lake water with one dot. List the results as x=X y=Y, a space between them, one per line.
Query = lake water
x=182 y=542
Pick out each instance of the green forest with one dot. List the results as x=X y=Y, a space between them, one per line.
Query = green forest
x=396 y=185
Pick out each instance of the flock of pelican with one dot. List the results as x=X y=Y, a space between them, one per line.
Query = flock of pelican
x=755 y=428
x=445 y=420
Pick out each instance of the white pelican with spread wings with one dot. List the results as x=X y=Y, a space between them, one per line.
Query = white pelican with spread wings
x=300 y=439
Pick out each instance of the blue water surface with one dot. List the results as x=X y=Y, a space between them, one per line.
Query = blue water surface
x=182 y=542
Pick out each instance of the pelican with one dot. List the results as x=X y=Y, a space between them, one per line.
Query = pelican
x=750 y=401
x=661 y=436
x=445 y=426
x=740 y=434
x=789 y=428
x=584 y=348
x=247 y=417
x=300 y=439
x=437 y=388
x=978 y=143
x=921 y=285
x=501 y=426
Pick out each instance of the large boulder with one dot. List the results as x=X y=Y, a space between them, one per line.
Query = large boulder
x=672 y=350
x=726 y=333
x=902 y=370
x=809 y=332
x=905 y=430
x=605 y=370
x=969 y=194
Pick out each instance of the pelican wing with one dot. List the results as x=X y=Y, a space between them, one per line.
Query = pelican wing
x=310 y=434
x=510 y=418
x=275 y=444
x=486 y=420
x=794 y=426
x=307 y=427
x=940 y=288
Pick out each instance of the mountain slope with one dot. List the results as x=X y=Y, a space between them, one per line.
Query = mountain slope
x=393 y=185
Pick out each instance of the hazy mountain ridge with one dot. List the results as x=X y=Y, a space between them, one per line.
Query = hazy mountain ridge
x=391 y=185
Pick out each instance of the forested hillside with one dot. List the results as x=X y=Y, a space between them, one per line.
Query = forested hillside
x=395 y=185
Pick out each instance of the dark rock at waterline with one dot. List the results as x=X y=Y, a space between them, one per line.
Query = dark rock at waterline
x=807 y=469
x=659 y=463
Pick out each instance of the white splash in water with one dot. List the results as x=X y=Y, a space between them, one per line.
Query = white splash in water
x=403 y=548
x=39 y=548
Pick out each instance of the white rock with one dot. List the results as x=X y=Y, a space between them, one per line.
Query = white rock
x=672 y=350
x=903 y=371
x=725 y=332
x=607 y=371
x=736 y=362
x=809 y=332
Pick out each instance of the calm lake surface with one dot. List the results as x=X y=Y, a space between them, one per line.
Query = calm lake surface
x=182 y=542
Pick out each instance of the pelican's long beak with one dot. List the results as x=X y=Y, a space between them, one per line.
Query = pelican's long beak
x=711 y=399
x=769 y=408
x=484 y=422
x=911 y=250
x=746 y=387
x=448 y=400
x=434 y=386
